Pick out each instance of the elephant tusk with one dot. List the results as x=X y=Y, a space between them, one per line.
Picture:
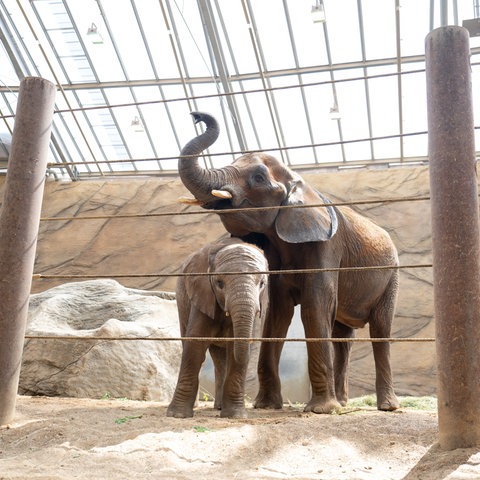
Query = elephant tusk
x=221 y=194
x=227 y=314
x=189 y=201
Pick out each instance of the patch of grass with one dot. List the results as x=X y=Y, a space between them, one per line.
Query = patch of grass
x=127 y=418
x=201 y=429
x=412 y=403
x=109 y=396
x=205 y=395
x=362 y=402
x=296 y=406
x=418 y=403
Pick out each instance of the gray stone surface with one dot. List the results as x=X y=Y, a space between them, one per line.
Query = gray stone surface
x=138 y=370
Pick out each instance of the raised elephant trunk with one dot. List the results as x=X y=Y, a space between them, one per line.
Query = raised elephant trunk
x=198 y=180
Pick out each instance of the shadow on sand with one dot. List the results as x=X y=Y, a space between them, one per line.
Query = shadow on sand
x=439 y=464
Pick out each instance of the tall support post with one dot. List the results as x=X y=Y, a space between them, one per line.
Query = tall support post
x=455 y=236
x=19 y=221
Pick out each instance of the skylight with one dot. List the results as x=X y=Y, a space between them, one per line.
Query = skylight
x=347 y=91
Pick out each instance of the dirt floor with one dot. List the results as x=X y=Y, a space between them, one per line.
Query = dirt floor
x=65 y=438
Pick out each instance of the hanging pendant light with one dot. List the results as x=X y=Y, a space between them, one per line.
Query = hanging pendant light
x=335 y=113
x=318 y=12
x=94 y=35
x=137 y=125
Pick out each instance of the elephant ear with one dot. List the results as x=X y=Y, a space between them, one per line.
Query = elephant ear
x=313 y=224
x=199 y=288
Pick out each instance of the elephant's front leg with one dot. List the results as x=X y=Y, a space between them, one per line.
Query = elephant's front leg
x=233 y=399
x=186 y=390
x=276 y=326
x=317 y=321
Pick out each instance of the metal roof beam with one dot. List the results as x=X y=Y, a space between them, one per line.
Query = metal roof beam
x=241 y=77
x=220 y=65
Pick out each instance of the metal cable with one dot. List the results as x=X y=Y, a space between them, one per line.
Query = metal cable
x=267 y=272
x=240 y=152
x=233 y=339
x=220 y=94
x=236 y=210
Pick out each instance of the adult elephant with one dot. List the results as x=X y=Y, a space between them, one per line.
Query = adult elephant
x=333 y=303
x=221 y=305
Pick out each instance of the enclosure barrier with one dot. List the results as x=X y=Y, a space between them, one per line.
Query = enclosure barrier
x=268 y=272
x=271 y=272
x=19 y=220
x=234 y=339
x=236 y=210
x=455 y=235
x=393 y=340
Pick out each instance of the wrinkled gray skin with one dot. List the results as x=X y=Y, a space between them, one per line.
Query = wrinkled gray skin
x=219 y=306
x=333 y=304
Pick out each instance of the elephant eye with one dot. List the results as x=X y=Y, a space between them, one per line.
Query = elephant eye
x=259 y=178
x=220 y=283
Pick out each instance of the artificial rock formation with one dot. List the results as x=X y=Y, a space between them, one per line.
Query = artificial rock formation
x=135 y=369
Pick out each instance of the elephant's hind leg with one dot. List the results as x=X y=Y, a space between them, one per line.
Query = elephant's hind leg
x=386 y=398
x=342 y=360
x=269 y=394
x=219 y=358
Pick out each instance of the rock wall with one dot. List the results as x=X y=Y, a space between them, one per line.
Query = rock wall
x=130 y=231
x=140 y=237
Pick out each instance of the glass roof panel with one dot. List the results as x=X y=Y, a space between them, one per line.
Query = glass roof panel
x=379 y=28
x=276 y=49
x=343 y=30
x=129 y=42
x=415 y=111
x=383 y=91
x=353 y=108
x=271 y=76
x=235 y=36
x=308 y=36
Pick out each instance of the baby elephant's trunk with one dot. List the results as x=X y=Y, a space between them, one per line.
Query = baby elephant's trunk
x=244 y=313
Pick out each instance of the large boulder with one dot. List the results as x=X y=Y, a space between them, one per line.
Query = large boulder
x=135 y=369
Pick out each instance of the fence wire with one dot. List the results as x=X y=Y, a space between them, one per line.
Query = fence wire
x=238 y=210
x=256 y=272
x=235 y=339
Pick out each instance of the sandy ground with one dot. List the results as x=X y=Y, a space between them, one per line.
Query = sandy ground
x=65 y=438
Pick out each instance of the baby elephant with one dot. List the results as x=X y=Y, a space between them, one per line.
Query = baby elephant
x=219 y=306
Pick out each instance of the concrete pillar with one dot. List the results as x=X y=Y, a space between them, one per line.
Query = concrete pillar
x=455 y=236
x=19 y=220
